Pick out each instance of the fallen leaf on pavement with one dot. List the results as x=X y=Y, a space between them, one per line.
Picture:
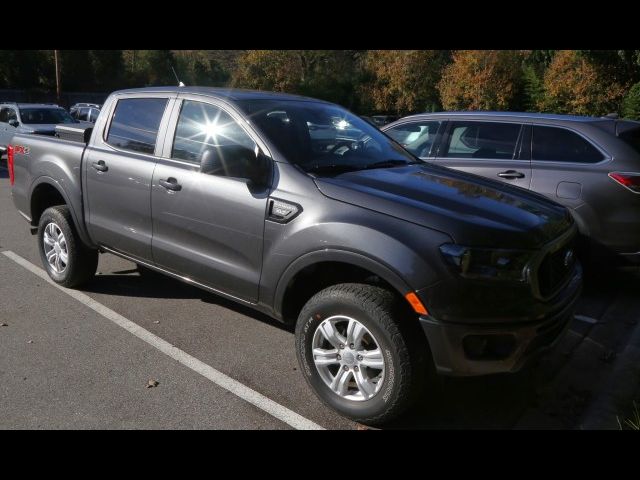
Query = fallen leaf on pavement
x=152 y=383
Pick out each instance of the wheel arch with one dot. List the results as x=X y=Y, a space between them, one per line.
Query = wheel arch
x=47 y=192
x=344 y=266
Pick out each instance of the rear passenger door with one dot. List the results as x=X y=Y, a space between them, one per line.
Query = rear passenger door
x=119 y=170
x=495 y=150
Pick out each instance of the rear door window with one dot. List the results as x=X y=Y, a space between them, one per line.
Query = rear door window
x=555 y=144
x=482 y=140
x=135 y=124
x=417 y=137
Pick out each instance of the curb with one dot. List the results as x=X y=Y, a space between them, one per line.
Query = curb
x=619 y=391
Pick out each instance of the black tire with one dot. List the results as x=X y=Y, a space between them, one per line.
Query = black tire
x=82 y=261
x=406 y=354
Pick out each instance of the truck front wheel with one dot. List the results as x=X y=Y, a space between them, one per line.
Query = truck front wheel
x=358 y=355
x=67 y=261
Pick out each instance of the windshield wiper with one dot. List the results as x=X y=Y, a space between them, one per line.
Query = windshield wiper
x=331 y=168
x=391 y=164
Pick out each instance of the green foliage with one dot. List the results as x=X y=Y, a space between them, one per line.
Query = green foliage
x=631 y=103
x=589 y=82
x=532 y=88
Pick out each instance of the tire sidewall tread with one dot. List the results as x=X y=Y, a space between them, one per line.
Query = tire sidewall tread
x=379 y=310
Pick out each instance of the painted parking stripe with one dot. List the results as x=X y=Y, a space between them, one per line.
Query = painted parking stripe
x=249 y=395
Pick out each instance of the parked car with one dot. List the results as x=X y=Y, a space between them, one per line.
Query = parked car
x=36 y=118
x=87 y=112
x=390 y=269
x=589 y=164
x=381 y=120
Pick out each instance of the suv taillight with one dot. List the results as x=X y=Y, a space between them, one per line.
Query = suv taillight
x=10 y=163
x=628 y=180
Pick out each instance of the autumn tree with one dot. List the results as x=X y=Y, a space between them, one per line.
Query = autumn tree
x=325 y=74
x=482 y=80
x=403 y=81
x=575 y=84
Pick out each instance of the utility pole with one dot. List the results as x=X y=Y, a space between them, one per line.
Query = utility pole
x=58 y=90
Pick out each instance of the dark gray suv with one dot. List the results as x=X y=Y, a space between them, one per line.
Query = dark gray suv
x=589 y=164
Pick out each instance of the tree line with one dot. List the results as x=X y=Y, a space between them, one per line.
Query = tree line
x=582 y=82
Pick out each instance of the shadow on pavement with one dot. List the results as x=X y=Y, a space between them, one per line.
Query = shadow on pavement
x=149 y=284
x=488 y=402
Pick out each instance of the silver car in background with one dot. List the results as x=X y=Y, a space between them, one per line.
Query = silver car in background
x=589 y=164
x=37 y=118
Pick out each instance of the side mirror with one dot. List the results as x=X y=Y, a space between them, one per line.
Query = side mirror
x=259 y=173
x=14 y=123
x=236 y=161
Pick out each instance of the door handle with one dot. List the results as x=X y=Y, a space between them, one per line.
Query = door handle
x=511 y=174
x=171 y=184
x=100 y=166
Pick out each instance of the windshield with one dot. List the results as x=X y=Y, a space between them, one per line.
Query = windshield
x=323 y=138
x=45 y=115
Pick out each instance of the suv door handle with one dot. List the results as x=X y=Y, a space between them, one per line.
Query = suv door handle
x=511 y=174
x=171 y=184
x=100 y=166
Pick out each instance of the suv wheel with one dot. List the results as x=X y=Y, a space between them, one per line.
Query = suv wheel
x=67 y=261
x=355 y=355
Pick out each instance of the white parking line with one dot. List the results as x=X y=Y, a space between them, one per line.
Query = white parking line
x=275 y=409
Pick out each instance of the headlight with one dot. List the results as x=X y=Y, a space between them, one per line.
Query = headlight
x=487 y=263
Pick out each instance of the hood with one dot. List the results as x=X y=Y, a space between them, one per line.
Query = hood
x=473 y=210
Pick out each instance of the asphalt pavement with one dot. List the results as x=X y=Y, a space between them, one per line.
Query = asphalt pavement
x=87 y=361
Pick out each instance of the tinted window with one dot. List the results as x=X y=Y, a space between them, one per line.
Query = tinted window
x=562 y=145
x=322 y=138
x=84 y=114
x=632 y=138
x=209 y=136
x=135 y=124
x=482 y=140
x=417 y=137
x=7 y=114
x=93 y=116
x=36 y=115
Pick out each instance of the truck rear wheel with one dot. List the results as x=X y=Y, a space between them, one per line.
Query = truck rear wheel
x=67 y=261
x=357 y=353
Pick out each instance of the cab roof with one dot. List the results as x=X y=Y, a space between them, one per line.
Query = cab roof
x=231 y=94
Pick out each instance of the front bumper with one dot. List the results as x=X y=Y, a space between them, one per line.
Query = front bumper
x=488 y=348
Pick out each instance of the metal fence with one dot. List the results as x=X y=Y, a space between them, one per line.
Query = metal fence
x=40 y=96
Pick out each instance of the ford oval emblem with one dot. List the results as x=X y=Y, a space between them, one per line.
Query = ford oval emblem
x=568 y=258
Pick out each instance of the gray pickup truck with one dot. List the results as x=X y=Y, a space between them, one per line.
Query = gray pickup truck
x=390 y=269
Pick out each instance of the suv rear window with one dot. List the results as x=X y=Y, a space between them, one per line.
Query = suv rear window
x=135 y=124
x=632 y=138
x=562 y=145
